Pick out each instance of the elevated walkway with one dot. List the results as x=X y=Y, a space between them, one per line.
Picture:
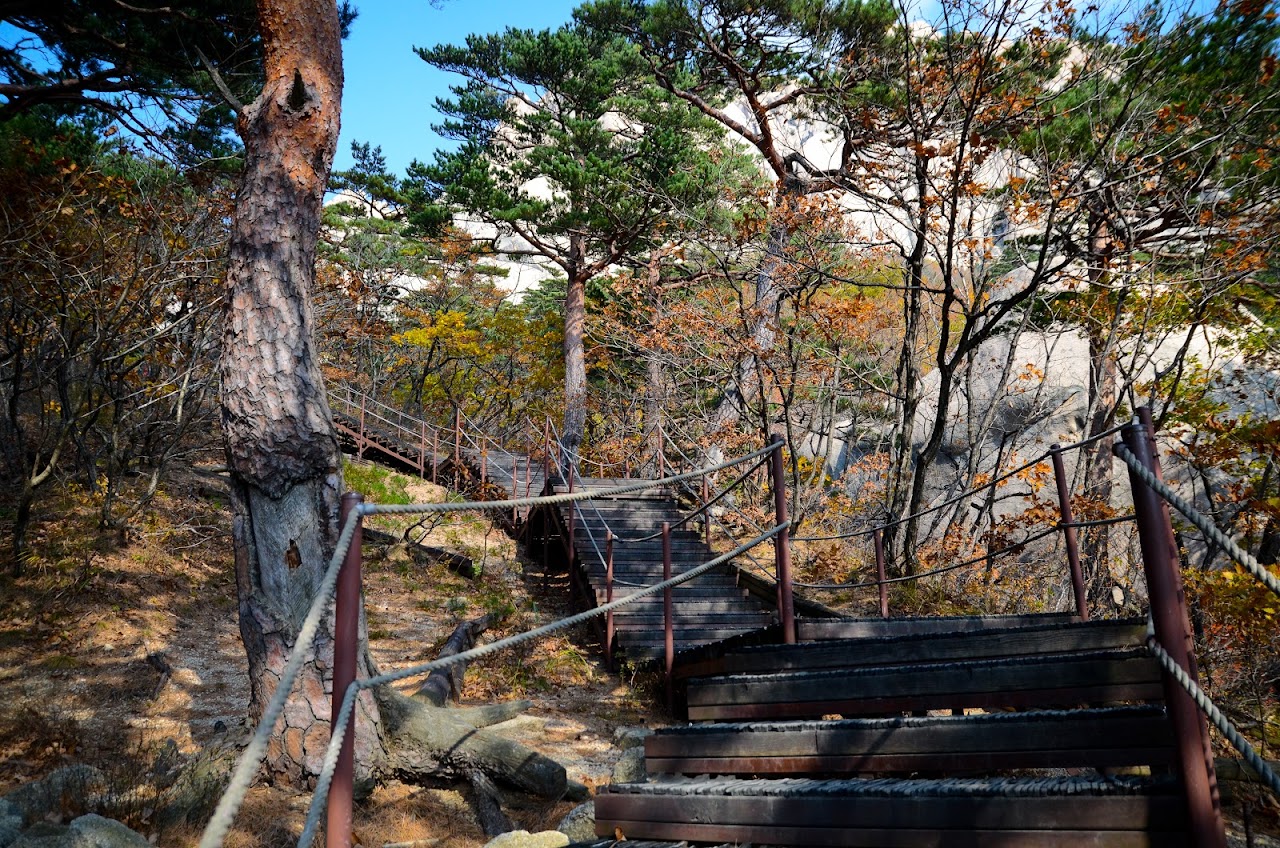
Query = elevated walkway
x=1043 y=730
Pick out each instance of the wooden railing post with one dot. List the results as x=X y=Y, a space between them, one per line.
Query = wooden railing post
x=668 y=619
x=878 y=539
x=1069 y=532
x=608 y=598
x=435 y=454
x=1173 y=632
x=346 y=638
x=782 y=543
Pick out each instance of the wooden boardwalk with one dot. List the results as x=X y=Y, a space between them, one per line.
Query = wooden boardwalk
x=709 y=608
x=1038 y=730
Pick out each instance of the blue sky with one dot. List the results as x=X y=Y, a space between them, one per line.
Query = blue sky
x=390 y=93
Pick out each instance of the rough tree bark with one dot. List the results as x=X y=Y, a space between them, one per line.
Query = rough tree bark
x=281 y=447
x=655 y=373
x=430 y=739
x=575 y=358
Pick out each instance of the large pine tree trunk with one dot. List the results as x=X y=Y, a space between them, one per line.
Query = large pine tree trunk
x=655 y=372
x=575 y=357
x=283 y=453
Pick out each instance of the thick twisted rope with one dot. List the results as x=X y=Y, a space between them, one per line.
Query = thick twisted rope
x=1034 y=537
x=855 y=534
x=1224 y=725
x=242 y=778
x=321 y=794
x=706 y=506
x=562 y=498
x=219 y=825
x=1205 y=524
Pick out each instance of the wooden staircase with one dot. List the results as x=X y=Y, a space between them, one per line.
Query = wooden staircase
x=984 y=731
x=898 y=732
x=708 y=609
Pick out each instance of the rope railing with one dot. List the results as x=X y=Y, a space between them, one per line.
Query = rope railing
x=353 y=401
x=1260 y=766
x=348 y=701
x=246 y=768
x=1067 y=525
x=1029 y=464
x=1203 y=522
x=1017 y=546
x=700 y=510
x=1169 y=635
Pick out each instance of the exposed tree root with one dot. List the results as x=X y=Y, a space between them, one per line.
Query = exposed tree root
x=428 y=740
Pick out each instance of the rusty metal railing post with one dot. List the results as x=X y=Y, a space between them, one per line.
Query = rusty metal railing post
x=346 y=639
x=360 y=443
x=573 y=513
x=1173 y=632
x=782 y=543
x=608 y=598
x=1069 y=532
x=706 y=512
x=668 y=619
x=662 y=454
x=457 y=441
x=546 y=450
x=422 y=450
x=878 y=539
x=484 y=465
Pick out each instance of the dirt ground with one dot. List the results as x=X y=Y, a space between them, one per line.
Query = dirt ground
x=113 y=653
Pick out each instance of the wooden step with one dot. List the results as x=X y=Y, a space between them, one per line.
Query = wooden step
x=1105 y=677
x=928 y=647
x=1089 y=738
x=814 y=630
x=698 y=605
x=686 y=619
x=1058 y=812
x=696 y=590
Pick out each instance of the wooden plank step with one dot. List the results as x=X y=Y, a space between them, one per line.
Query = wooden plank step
x=687 y=620
x=1116 y=813
x=813 y=630
x=680 y=549
x=695 y=590
x=1053 y=680
x=924 y=648
x=697 y=605
x=699 y=633
x=650 y=574
x=1088 y=738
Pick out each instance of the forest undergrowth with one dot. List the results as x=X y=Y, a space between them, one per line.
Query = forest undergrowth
x=123 y=653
